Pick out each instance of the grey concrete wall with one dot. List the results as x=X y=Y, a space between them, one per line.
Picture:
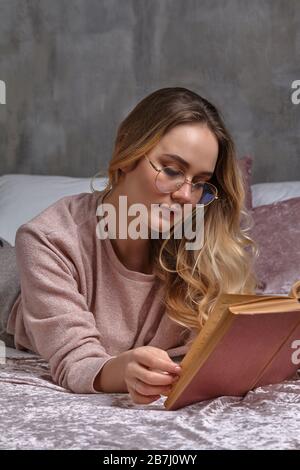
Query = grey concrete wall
x=74 y=68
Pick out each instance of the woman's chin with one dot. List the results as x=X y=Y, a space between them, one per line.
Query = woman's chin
x=161 y=225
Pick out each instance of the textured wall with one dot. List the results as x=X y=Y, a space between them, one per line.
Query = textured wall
x=74 y=69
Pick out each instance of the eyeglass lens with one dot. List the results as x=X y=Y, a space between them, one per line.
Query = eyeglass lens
x=170 y=179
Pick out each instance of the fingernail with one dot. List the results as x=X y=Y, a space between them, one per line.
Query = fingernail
x=178 y=368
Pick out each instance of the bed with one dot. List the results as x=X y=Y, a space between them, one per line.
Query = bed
x=38 y=414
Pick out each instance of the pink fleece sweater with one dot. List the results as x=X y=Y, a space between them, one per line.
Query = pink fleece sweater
x=79 y=306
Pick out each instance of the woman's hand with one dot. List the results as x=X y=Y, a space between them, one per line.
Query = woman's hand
x=149 y=372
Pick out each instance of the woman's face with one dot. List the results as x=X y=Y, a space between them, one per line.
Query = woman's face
x=196 y=145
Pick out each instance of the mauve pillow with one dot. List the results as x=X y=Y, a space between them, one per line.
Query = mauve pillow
x=245 y=165
x=276 y=231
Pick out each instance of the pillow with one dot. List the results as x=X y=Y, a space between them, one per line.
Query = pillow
x=266 y=193
x=276 y=231
x=245 y=165
x=22 y=197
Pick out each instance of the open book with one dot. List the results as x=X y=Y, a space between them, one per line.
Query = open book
x=247 y=341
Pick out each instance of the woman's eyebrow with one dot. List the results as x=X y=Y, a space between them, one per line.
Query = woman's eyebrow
x=185 y=164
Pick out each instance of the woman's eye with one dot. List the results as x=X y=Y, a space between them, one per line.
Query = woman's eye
x=169 y=171
x=199 y=184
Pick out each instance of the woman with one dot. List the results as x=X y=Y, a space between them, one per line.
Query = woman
x=109 y=314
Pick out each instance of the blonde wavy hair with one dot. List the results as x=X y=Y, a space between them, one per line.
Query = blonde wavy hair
x=193 y=279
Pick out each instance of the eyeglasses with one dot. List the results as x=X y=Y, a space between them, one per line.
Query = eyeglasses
x=170 y=179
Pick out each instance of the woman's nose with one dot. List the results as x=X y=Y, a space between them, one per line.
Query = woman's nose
x=183 y=194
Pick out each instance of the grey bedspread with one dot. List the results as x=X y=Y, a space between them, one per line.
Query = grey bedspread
x=37 y=414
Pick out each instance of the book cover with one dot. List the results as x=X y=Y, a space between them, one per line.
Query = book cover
x=248 y=341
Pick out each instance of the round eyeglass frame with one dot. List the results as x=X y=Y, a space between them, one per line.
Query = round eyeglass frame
x=185 y=181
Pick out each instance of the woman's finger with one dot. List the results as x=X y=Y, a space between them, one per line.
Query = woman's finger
x=154 y=377
x=148 y=390
x=153 y=362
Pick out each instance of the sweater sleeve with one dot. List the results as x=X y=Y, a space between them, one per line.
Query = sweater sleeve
x=55 y=314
